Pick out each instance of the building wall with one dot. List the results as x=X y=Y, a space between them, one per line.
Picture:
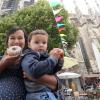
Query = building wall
x=1 y=1
x=9 y=6
x=89 y=32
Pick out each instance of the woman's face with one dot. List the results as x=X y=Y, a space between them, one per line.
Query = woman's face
x=17 y=39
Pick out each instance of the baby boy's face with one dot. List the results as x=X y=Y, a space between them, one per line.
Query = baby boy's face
x=39 y=42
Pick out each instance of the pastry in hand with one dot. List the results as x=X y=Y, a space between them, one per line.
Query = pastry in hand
x=14 y=51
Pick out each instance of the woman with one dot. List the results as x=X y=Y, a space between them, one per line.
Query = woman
x=11 y=78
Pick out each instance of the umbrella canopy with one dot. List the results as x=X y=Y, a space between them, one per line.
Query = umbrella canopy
x=68 y=75
x=69 y=62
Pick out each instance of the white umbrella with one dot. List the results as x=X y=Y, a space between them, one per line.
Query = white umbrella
x=68 y=75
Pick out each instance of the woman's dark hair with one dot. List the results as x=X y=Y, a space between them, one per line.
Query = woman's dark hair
x=12 y=30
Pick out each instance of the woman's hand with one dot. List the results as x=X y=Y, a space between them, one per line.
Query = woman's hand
x=9 y=60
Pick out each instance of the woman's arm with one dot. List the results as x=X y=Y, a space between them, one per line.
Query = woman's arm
x=49 y=80
x=52 y=81
x=2 y=65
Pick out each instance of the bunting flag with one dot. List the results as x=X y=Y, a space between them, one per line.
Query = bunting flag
x=60 y=25
x=62 y=35
x=55 y=12
x=61 y=29
x=54 y=3
x=57 y=7
x=61 y=0
x=58 y=18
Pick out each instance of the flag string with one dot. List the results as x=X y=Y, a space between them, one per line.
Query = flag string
x=57 y=7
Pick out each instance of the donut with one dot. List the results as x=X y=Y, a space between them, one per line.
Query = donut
x=14 y=50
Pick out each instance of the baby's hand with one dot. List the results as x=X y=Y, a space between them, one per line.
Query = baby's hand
x=60 y=51
x=57 y=52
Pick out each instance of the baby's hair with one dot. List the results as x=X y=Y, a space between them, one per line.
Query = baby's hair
x=37 y=32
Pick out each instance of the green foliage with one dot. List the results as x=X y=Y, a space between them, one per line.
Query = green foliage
x=2 y=38
x=39 y=16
